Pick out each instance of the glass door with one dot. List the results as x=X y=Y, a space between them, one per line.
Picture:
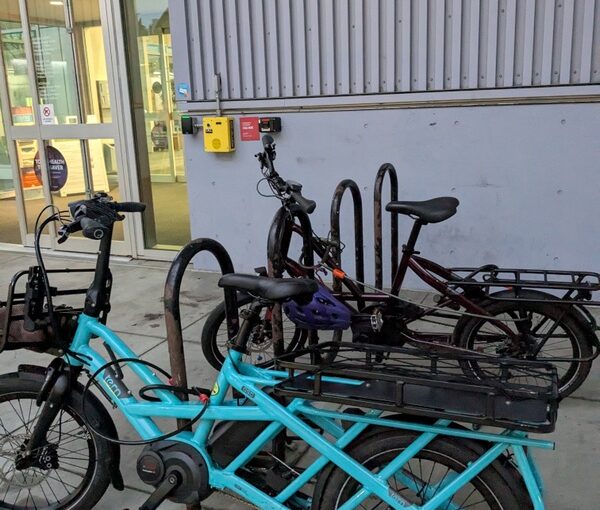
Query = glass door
x=159 y=142
x=60 y=91
x=10 y=231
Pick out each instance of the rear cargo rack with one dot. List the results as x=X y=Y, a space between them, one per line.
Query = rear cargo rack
x=578 y=285
x=466 y=387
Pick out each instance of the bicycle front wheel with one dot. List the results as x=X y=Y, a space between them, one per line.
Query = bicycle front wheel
x=260 y=347
x=421 y=478
x=72 y=471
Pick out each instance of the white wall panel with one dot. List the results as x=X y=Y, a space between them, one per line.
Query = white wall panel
x=300 y=48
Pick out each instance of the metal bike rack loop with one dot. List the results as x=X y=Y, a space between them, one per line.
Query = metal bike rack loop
x=278 y=244
x=386 y=168
x=171 y=303
x=359 y=255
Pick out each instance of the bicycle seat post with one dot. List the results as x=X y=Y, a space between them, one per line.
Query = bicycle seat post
x=408 y=250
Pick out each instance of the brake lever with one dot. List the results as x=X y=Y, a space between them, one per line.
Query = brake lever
x=66 y=230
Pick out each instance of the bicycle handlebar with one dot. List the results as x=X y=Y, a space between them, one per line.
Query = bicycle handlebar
x=128 y=207
x=96 y=216
x=92 y=229
x=306 y=204
x=289 y=191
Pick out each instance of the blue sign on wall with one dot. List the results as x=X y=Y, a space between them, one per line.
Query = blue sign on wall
x=183 y=90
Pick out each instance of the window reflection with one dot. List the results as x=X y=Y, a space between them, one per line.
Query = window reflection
x=9 y=223
x=15 y=64
x=60 y=52
x=160 y=142
x=91 y=58
x=53 y=61
x=31 y=182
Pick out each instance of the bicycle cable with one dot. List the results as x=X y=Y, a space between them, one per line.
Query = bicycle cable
x=489 y=318
x=427 y=308
x=142 y=442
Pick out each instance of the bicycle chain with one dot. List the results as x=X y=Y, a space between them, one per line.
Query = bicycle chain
x=239 y=499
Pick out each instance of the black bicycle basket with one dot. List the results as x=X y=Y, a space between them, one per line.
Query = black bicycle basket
x=437 y=382
x=24 y=317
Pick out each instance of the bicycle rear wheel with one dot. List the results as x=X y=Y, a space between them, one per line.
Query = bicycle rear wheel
x=545 y=331
x=421 y=477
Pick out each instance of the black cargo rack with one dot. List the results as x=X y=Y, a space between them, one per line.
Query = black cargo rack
x=577 y=285
x=502 y=392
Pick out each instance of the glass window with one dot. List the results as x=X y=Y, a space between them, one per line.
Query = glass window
x=53 y=61
x=9 y=218
x=31 y=182
x=158 y=126
x=91 y=58
x=105 y=174
x=15 y=64
x=59 y=51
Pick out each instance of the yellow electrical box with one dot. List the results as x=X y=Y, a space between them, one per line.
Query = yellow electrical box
x=218 y=134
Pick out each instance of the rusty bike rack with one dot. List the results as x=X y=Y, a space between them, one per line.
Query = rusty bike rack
x=359 y=255
x=171 y=303
x=386 y=168
x=278 y=244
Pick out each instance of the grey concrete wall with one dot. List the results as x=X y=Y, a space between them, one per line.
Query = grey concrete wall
x=527 y=178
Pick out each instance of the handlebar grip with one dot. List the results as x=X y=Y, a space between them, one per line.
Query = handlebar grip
x=307 y=205
x=129 y=207
x=92 y=229
x=267 y=141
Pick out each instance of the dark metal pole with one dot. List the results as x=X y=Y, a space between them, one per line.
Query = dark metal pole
x=278 y=243
x=386 y=168
x=336 y=204
x=171 y=303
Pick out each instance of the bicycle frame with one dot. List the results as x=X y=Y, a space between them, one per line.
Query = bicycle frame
x=250 y=381
x=433 y=274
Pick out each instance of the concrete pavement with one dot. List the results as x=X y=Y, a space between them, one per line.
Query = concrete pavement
x=137 y=315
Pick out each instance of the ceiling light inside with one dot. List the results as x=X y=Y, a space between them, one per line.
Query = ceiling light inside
x=56 y=2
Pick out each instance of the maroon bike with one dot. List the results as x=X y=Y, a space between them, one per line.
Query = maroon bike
x=519 y=313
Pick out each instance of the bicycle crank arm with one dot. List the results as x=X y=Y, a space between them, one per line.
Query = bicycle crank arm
x=163 y=489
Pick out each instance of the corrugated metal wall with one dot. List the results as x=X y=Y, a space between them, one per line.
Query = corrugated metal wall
x=297 y=48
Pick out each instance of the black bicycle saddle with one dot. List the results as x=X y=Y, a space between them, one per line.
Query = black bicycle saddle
x=428 y=211
x=273 y=289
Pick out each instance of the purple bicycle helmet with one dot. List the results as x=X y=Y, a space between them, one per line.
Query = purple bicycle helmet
x=324 y=311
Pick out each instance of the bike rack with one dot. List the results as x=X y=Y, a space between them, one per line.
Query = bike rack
x=386 y=168
x=278 y=244
x=171 y=303
x=359 y=255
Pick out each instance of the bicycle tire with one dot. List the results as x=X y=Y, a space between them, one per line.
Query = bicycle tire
x=571 y=378
x=215 y=329
x=335 y=486
x=98 y=472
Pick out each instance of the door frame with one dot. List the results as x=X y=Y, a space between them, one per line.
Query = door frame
x=116 y=130
x=121 y=130
x=116 y=16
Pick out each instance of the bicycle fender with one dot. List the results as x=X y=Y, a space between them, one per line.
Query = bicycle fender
x=106 y=425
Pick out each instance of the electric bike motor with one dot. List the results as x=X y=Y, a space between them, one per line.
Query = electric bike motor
x=165 y=458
